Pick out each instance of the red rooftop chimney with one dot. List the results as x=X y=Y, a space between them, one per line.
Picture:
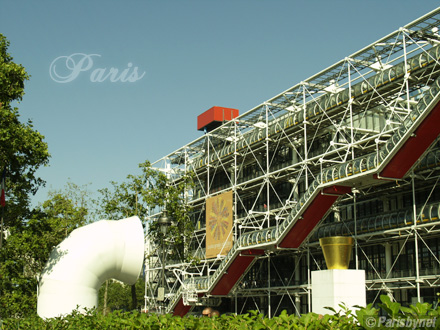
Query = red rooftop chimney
x=214 y=117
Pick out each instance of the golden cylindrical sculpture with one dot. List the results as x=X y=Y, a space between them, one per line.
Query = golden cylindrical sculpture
x=337 y=251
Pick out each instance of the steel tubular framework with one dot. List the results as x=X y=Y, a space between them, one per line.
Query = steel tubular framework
x=361 y=125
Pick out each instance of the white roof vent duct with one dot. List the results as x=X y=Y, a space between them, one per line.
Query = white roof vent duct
x=88 y=257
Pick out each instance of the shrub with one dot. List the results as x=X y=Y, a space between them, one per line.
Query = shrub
x=390 y=315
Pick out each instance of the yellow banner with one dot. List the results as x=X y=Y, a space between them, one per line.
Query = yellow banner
x=218 y=225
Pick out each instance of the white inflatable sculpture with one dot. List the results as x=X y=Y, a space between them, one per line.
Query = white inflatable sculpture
x=88 y=257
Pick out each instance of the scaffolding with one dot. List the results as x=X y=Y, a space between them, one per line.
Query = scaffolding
x=363 y=126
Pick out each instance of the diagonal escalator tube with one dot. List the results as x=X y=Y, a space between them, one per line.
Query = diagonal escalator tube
x=89 y=256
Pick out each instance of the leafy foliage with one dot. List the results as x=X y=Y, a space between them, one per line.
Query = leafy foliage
x=22 y=152
x=396 y=316
x=12 y=75
x=118 y=296
x=252 y=320
x=149 y=190
x=22 y=149
x=28 y=246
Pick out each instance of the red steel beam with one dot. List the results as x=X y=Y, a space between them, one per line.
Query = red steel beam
x=415 y=146
x=233 y=273
x=312 y=215
x=181 y=309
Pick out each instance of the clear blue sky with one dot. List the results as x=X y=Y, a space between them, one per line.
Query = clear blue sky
x=195 y=54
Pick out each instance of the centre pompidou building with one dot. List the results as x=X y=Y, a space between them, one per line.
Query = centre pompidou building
x=351 y=151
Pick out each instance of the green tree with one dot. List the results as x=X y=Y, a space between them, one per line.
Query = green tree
x=152 y=190
x=149 y=190
x=28 y=246
x=121 y=201
x=114 y=295
x=72 y=207
x=22 y=148
x=22 y=152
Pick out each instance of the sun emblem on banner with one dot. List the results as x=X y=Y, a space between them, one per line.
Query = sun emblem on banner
x=218 y=219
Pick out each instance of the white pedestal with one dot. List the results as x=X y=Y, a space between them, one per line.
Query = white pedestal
x=335 y=286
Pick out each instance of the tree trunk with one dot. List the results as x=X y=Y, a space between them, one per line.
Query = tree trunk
x=105 y=299
x=133 y=297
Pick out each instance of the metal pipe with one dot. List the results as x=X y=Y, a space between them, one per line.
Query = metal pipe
x=88 y=257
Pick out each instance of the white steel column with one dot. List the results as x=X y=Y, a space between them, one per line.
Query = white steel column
x=309 y=284
x=388 y=259
x=356 y=255
x=234 y=188
x=208 y=166
x=267 y=211
x=350 y=102
x=406 y=69
x=269 y=309
x=416 y=243
x=305 y=138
